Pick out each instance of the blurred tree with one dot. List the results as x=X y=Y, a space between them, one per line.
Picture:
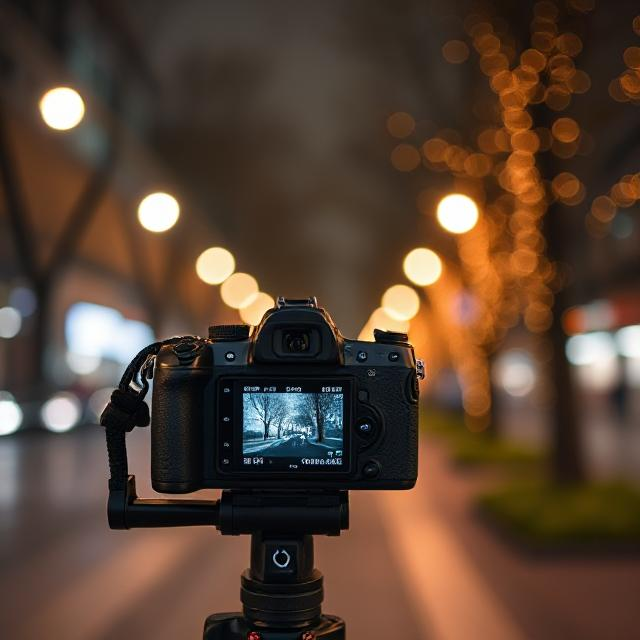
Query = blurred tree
x=509 y=149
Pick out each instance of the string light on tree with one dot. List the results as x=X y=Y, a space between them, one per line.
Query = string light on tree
x=158 y=212
x=457 y=213
x=62 y=108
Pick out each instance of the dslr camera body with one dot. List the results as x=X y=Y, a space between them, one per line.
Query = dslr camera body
x=291 y=405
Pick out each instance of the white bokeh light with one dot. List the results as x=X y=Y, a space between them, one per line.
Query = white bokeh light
x=515 y=372
x=596 y=359
x=628 y=341
x=10 y=322
x=590 y=348
x=457 y=213
x=62 y=108
x=83 y=364
x=215 y=265
x=10 y=414
x=158 y=212
x=61 y=412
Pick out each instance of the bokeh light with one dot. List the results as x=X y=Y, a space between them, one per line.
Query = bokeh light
x=239 y=290
x=457 y=213
x=380 y=319
x=565 y=129
x=62 y=108
x=215 y=265
x=23 y=300
x=83 y=364
x=401 y=302
x=158 y=212
x=455 y=51
x=422 y=266
x=400 y=124
x=514 y=371
x=10 y=414
x=405 y=157
x=10 y=322
x=252 y=313
x=628 y=341
x=61 y=412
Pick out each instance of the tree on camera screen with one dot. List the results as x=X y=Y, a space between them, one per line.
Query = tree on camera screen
x=304 y=426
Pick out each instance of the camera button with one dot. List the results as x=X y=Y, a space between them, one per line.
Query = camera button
x=366 y=427
x=362 y=356
x=394 y=356
x=230 y=356
x=281 y=558
x=371 y=469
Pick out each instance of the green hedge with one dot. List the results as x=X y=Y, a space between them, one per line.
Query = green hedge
x=478 y=449
x=547 y=516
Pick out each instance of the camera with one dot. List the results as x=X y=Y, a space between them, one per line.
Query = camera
x=290 y=405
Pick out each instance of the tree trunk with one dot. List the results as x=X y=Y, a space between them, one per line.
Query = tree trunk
x=567 y=466
x=567 y=459
x=319 y=422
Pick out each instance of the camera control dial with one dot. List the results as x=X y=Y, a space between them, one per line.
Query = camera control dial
x=390 y=337
x=229 y=332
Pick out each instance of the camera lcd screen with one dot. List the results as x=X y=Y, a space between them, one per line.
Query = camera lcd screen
x=294 y=426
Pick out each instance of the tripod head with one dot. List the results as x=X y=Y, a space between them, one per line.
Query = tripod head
x=281 y=591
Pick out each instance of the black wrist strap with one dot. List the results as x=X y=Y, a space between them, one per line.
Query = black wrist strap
x=127 y=409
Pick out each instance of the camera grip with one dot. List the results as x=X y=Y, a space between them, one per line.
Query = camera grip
x=395 y=395
x=177 y=427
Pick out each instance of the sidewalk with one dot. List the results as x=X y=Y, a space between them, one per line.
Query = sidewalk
x=469 y=584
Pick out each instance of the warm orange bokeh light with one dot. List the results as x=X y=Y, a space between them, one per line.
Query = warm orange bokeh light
x=400 y=124
x=455 y=51
x=401 y=302
x=422 y=266
x=457 y=213
x=565 y=129
x=405 y=157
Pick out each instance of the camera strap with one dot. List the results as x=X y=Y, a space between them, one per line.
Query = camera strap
x=127 y=409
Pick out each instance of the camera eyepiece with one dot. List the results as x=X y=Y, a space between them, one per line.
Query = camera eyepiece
x=296 y=341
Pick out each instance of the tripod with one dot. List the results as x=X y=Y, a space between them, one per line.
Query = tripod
x=281 y=591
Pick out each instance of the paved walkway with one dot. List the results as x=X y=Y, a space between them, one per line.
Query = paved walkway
x=415 y=565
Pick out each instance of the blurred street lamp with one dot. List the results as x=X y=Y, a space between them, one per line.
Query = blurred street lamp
x=10 y=414
x=457 y=213
x=422 y=266
x=10 y=322
x=215 y=265
x=62 y=108
x=253 y=312
x=380 y=319
x=239 y=290
x=158 y=212
x=401 y=302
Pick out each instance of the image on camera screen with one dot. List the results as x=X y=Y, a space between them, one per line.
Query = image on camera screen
x=301 y=428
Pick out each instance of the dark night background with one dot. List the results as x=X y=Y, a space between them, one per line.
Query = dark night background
x=315 y=142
